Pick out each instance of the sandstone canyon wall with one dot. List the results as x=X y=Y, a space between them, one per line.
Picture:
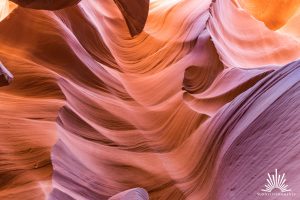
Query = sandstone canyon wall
x=138 y=99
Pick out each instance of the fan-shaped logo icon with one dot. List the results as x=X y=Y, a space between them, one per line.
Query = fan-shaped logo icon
x=276 y=181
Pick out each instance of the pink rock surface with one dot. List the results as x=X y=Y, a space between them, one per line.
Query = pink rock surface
x=5 y=76
x=146 y=100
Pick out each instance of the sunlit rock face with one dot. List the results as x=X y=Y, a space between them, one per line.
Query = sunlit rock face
x=45 y=4
x=274 y=13
x=5 y=8
x=122 y=100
